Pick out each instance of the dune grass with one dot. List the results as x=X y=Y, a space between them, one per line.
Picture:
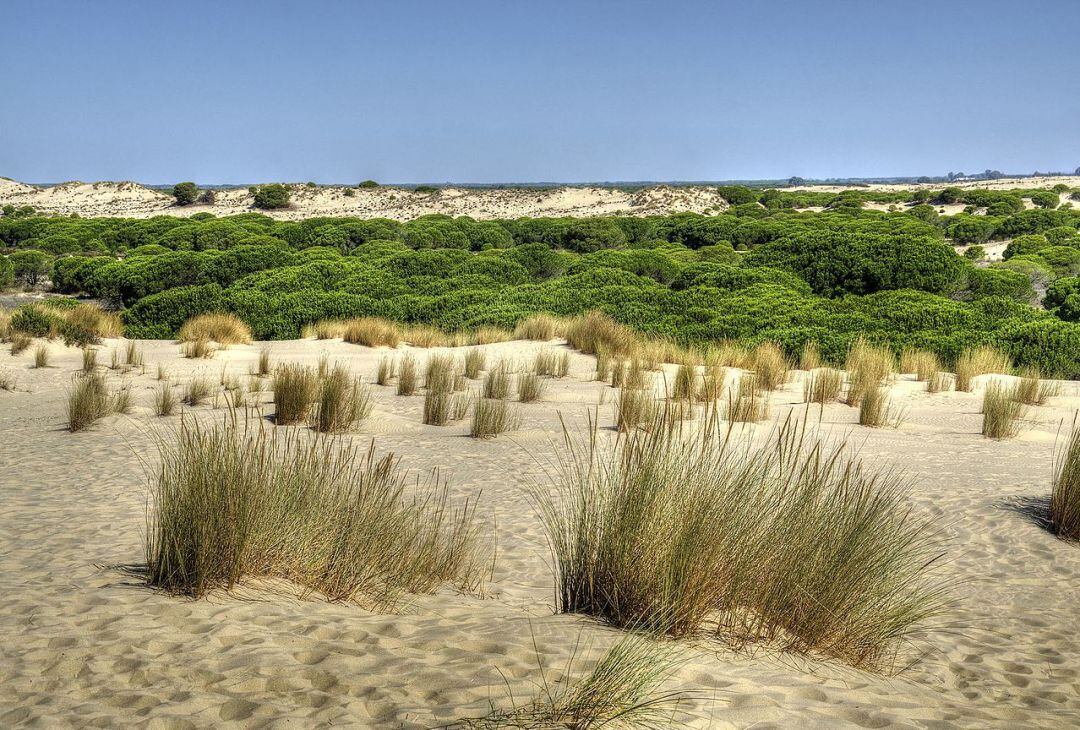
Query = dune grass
x=595 y=331
x=530 y=387
x=939 y=382
x=1065 y=492
x=89 y=399
x=371 y=332
x=488 y=335
x=475 y=360
x=541 y=327
x=386 y=370
x=551 y=363
x=710 y=386
x=792 y=543
x=822 y=385
x=682 y=387
x=236 y=501
x=498 y=381
x=1002 y=411
x=89 y=359
x=622 y=691
x=196 y=349
x=165 y=400
x=491 y=417
x=422 y=335
x=407 y=378
x=20 y=341
x=810 y=358
x=746 y=403
x=634 y=408
x=1032 y=390
x=342 y=402
x=296 y=388
x=133 y=355
x=868 y=367
x=979 y=361
x=197 y=391
x=41 y=355
x=922 y=363
x=876 y=411
x=769 y=365
x=264 y=366
x=224 y=329
x=440 y=373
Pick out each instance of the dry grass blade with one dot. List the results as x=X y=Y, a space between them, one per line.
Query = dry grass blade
x=475 y=359
x=370 y=332
x=745 y=402
x=232 y=502
x=530 y=387
x=538 y=327
x=1032 y=390
x=769 y=365
x=165 y=400
x=810 y=359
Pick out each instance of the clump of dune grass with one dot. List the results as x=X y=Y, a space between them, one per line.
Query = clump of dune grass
x=264 y=362
x=594 y=331
x=475 y=359
x=322 y=365
x=386 y=370
x=634 y=408
x=8 y=380
x=622 y=690
x=498 y=381
x=710 y=385
x=746 y=403
x=441 y=372
x=232 y=502
x=296 y=388
x=327 y=329
x=541 y=327
x=791 y=543
x=342 y=402
x=165 y=400
x=195 y=349
x=868 y=366
x=530 y=387
x=922 y=363
x=422 y=335
x=371 y=332
x=551 y=363
x=491 y=417
x=114 y=359
x=876 y=411
x=41 y=355
x=5 y=324
x=683 y=386
x=488 y=335
x=810 y=358
x=224 y=329
x=603 y=365
x=133 y=355
x=1002 y=411
x=89 y=359
x=197 y=391
x=822 y=385
x=938 y=382
x=407 y=377
x=1032 y=390
x=89 y=399
x=728 y=354
x=437 y=405
x=769 y=365
x=93 y=319
x=162 y=371
x=20 y=341
x=460 y=405
x=1065 y=492
x=979 y=361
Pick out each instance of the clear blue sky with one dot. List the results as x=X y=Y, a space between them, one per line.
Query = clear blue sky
x=417 y=91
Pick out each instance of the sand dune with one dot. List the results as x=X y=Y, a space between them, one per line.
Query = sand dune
x=86 y=644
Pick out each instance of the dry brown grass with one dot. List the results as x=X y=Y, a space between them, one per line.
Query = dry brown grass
x=224 y=329
x=595 y=331
x=89 y=399
x=920 y=362
x=822 y=385
x=810 y=359
x=1032 y=390
x=730 y=355
x=407 y=378
x=196 y=349
x=552 y=363
x=938 y=382
x=769 y=365
x=876 y=411
x=530 y=387
x=264 y=362
x=979 y=361
x=541 y=327
x=498 y=381
x=165 y=400
x=41 y=355
x=197 y=391
x=488 y=335
x=296 y=387
x=635 y=408
x=441 y=373
x=422 y=335
x=386 y=370
x=20 y=341
x=1065 y=493
x=682 y=388
x=710 y=387
x=603 y=365
x=475 y=359
x=342 y=402
x=94 y=319
x=868 y=366
x=371 y=332
x=326 y=329
x=746 y=403
x=133 y=355
x=1002 y=412
x=233 y=502
x=491 y=417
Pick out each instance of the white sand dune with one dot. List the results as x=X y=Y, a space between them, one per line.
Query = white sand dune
x=85 y=644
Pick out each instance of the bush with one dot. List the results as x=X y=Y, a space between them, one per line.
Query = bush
x=185 y=193
x=224 y=329
x=271 y=197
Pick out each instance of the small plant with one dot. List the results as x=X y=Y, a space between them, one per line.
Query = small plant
x=1031 y=390
x=980 y=361
x=295 y=389
x=440 y=375
x=634 y=408
x=769 y=365
x=224 y=329
x=196 y=349
x=490 y=418
x=822 y=385
x=122 y=401
x=20 y=341
x=1065 y=493
x=551 y=363
x=197 y=391
x=342 y=403
x=938 y=382
x=498 y=381
x=541 y=327
x=8 y=380
x=165 y=400
x=810 y=359
x=745 y=403
x=875 y=411
x=264 y=362
x=133 y=355
x=437 y=407
x=162 y=371
x=711 y=384
x=88 y=401
x=1002 y=412
x=460 y=405
x=89 y=359
x=41 y=356
x=475 y=360
x=386 y=370
x=529 y=387
x=407 y=384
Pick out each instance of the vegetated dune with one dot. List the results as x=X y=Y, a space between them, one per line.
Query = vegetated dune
x=87 y=643
x=128 y=199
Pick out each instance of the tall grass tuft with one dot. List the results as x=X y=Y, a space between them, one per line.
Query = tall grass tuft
x=683 y=385
x=264 y=362
x=88 y=400
x=491 y=417
x=441 y=373
x=1065 y=493
x=342 y=402
x=542 y=327
x=41 y=355
x=296 y=387
x=224 y=329
x=422 y=335
x=232 y=502
x=769 y=365
x=371 y=332
x=197 y=391
x=868 y=366
x=938 y=382
x=790 y=543
x=1002 y=412
x=745 y=402
x=530 y=387
x=20 y=341
x=133 y=355
x=488 y=335
x=498 y=381
x=165 y=400
x=89 y=359
x=595 y=331
x=551 y=363
x=810 y=359
x=875 y=410
x=1031 y=390
x=407 y=378
x=386 y=370
x=634 y=408
x=920 y=362
x=475 y=360
x=822 y=385
x=200 y=348
x=979 y=361
x=710 y=387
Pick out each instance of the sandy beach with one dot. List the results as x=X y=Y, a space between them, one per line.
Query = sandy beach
x=87 y=644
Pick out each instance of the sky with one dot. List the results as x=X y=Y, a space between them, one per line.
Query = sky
x=506 y=91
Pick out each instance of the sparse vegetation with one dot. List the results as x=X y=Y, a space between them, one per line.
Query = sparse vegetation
x=196 y=349
x=979 y=361
x=41 y=355
x=296 y=388
x=822 y=385
x=491 y=417
x=407 y=384
x=165 y=400
x=89 y=400
x=1032 y=390
x=1002 y=411
x=224 y=329
x=530 y=387
x=343 y=401
x=475 y=359
x=1065 y=494
x=197 y=391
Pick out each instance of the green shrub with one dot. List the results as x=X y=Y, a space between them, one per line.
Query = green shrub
x=271 y=197
x=185 y=193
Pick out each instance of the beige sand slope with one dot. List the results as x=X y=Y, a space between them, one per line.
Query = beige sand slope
x=86 y=645
x=136 y=201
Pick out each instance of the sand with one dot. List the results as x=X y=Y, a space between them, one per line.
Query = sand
x=86 y=644
x=128 y=199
